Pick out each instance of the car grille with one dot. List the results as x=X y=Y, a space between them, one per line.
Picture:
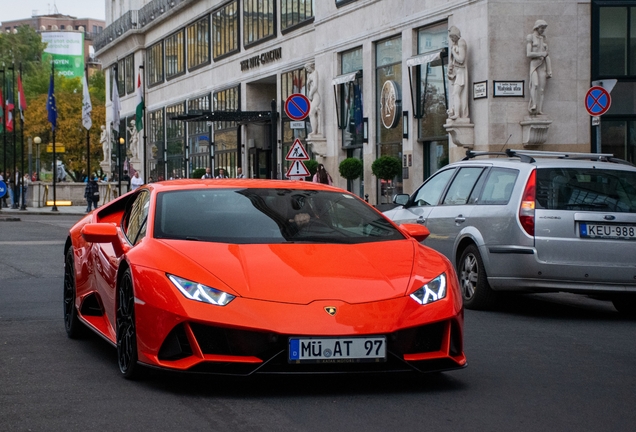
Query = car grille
x=271 y=348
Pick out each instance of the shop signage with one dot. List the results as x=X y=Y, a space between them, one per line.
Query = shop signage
x=508 y=88
x=389 y=103
x=480 y=90
x=261 y=59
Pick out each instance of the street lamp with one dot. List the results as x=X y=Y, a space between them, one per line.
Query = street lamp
x=122 y=141
x=37 y=140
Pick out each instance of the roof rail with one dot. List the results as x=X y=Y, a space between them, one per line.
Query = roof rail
x=529 y=155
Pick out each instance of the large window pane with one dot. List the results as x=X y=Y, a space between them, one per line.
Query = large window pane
x=295 y=12
x=175 y=134
x=613 y=40
x=175 y=55
x=156 y=144
x=198 y=35
x=121 y=77
x=154 y=56
x=258 y=20
x=225 y=27
x=351 y=99
x=129 y=65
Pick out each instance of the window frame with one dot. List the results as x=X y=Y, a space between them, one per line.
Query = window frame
x=193 y=49
x=151 y=61
x=182 y=62
x=296 y=24
x=237 y=43
x=245 y=29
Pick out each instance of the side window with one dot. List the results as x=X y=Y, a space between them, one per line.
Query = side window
x=498 y=187
x=432 y=190
x=136 y=223
x=462 y=186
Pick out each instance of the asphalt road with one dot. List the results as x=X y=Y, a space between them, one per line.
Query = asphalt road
x=539 y=363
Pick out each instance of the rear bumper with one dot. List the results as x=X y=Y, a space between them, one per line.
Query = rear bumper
x=525 y=272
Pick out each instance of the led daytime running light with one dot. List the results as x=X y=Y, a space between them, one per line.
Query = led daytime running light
x=199 y=292
x=431 y=292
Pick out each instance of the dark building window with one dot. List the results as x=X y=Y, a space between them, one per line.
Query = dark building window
x=154 y=57
x=199 y=134
x=175 y=141
x=258 y=20
x=198 y=41
x=175 y=54
x=225 y=27
x=121 y=77
x=129 y=66
x=295 y=12
x=156 y=144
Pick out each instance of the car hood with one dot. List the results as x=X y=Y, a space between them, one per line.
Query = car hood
x=302 y=273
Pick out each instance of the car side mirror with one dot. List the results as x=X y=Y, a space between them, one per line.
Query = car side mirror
x=401 y=199
x=417 y=231
x=103 y=233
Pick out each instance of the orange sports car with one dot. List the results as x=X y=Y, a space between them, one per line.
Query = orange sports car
x=260 y=276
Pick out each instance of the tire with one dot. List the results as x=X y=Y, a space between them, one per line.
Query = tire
x=625 y=304
x=74 y=327
x=126 y=328
x=476 y=291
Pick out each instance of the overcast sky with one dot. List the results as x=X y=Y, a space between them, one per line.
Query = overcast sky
x=78 y=8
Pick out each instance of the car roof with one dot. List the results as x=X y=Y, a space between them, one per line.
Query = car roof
x=544 y=162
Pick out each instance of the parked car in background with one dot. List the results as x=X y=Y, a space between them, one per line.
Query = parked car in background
x=532 y=221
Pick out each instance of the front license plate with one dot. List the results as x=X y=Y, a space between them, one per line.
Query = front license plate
x=337 y=350
x=627 y=232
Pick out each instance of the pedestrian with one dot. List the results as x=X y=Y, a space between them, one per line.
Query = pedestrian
x=208 y=173
x=91 y=193
x=322 y=176
x=136 y=181
x=26 y=181
x=239 y=173
x=221 y=174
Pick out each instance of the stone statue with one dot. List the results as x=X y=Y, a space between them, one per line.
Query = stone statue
x=134 y=140
x=315 y=112
x=540 y=66
x=457 y=75
x=105 y=141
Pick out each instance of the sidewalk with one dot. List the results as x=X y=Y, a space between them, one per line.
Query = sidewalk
x=61 y=210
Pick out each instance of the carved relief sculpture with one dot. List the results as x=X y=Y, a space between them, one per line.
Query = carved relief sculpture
x=134 y=140
x=457 y=75
x=540 y=66
x=105 y=141
x=315 y=112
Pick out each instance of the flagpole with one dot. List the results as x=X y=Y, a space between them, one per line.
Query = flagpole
x=88 y=137
x=145 y=124
x=4 y=134
x=16 y=184
x=54 y=154
x=22 y=192
x=119 y=163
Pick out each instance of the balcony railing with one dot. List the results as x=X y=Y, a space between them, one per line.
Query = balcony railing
x=120 y=26
x=134 y=20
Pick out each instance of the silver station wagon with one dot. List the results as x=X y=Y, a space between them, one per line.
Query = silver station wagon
x=532 y=221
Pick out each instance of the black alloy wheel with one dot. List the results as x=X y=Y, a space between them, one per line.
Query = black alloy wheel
x=74 y=327
x=476 y=291
x=126 y=330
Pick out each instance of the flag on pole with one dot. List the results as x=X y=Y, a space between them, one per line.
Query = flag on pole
x=22 y=105
x=116 y=105
x=1 y=112
x=8 y=107
x=87 y=107
x=50 y=104
x=139 y=102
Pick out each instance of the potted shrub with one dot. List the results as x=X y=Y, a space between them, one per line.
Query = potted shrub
x=386 y=168
x=351 y=169
x=312 y=166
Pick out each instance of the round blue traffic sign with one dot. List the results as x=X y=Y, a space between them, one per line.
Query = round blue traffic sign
x=3 y=189
x=297 y=106
x=597 y=101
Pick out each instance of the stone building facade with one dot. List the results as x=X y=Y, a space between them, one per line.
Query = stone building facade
x=385 y=74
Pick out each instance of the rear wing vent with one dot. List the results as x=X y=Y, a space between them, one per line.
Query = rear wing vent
x=529 y=156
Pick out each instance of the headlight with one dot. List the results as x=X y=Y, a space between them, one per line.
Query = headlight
x=432 y=291
x=200 y=292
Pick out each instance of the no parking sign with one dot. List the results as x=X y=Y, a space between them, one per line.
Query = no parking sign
x=3 y=189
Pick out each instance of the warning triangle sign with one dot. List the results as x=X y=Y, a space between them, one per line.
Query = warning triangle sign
x=297 y=152
x=296 y=169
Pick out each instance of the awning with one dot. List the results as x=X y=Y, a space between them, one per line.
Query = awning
x=429 y=57
x=214 y=116
x=343 y=79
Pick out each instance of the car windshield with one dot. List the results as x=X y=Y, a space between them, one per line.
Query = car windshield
x=256 y=215
x=586 y=189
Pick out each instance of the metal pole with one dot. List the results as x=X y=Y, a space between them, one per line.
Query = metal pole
x=4 y=132
x=22 y=191
x=16 y=184
x=30 y=157
x=145 y=120
x=88 y=140
x=54 y=155
x=119 y=173
x=274 y=141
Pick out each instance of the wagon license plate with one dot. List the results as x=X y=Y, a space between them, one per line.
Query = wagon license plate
x=608 y=231
x=337 y=350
